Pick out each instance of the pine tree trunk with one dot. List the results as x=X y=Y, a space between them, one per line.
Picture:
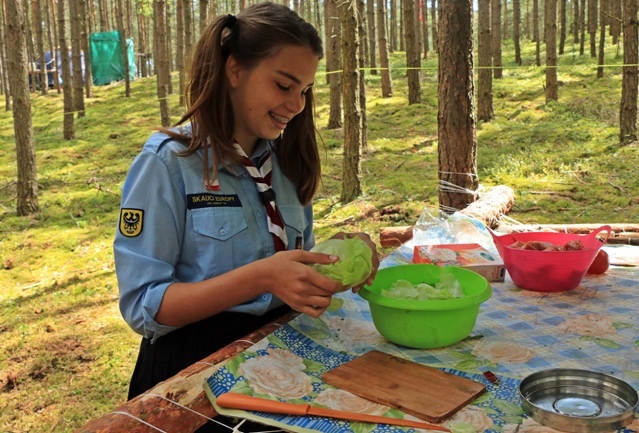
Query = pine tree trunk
x=85 y=31
x=351 y=176
x=602 y=42
x=76 y=59
x=162 y=60
x=562 y=25
x=52 y=35
x=361 y=34
x=413 y=61
x=387 y=85
x=550 y=36
x=179 y=49
x=457 y=149
x=575 y=28
x=592 y=27
x=505 y=33
x=516 y=33
x=536 y=34
x=615 y=21
x=393 y=46
x=582 y=26
x=629 y=82
x=433 y=15
x=68 y=128
x=124 y=50
x=495 y=22
x=16 y=33
x=142 y=43
x=372 y=33
x=4 y=58
x=484 y=79
x=333 y=64
x=36 y=12
x=424 y=24
x=204 y=18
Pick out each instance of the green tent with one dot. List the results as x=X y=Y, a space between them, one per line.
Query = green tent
x=107 y=64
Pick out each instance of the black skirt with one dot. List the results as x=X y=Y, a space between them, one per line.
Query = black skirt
x=181 y=348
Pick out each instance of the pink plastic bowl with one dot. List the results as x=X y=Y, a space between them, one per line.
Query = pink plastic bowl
x=548 y=271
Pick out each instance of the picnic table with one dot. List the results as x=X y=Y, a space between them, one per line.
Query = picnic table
x=593 y=327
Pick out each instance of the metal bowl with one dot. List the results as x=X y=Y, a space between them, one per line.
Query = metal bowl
x=578 y=401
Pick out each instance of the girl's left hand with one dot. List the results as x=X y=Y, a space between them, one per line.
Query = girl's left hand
x=375 y=259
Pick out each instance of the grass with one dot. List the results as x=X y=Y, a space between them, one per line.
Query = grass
x=65 y=353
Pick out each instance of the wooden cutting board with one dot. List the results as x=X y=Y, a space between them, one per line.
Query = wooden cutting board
x=416 y=389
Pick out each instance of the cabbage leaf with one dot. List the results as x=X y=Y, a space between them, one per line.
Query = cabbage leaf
x=354 y=264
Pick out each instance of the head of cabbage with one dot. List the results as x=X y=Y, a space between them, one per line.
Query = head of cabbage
x=354 y=264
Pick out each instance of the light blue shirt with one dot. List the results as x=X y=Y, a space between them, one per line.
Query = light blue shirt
x=172 y=229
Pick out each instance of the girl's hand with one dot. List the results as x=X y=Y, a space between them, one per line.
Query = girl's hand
x=287 y=275
x=375 y=259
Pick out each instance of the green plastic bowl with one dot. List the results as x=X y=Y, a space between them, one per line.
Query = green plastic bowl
x=425 y=324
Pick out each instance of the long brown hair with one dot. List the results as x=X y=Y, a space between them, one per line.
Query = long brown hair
x=255 y=34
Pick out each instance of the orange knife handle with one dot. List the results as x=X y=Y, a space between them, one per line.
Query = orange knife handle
x=232 y=400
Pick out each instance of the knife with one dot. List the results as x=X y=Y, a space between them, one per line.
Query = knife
x=232 y=400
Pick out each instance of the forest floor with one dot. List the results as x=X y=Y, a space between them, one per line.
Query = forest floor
x=66 y=355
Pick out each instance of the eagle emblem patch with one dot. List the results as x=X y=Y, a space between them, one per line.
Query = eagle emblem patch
x=131 y=222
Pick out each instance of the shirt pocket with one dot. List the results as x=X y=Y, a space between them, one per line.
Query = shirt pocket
x=295 y=222
x=221 y=238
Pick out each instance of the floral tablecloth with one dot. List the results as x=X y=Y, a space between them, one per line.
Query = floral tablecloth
x=594 y=327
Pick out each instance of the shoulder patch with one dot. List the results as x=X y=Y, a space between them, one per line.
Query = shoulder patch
x=131 y=222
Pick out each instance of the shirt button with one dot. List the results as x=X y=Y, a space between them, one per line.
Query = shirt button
x=259 y=213
x=264 y=297
x=222 y=232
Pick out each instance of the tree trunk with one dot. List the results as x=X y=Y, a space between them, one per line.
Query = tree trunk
x=602 y=42
x=36 y=12
x=424 y=24
x=418 y=28
x=505 y=10
x=27 y=185
x=516 y=37
x=85 y=31
x=575 y=27
x=188 y=34
x=387 y=84
x=413 y=60
x=550 y=35
x=485 y=75
x=433 y=15
x=629 y=82
x=4 y=58
x=562 y=25
x=351 y=176
x=457 y=150
x=179 y=49
x=52 y=35
x=592 y=27
x=536 y=35
x=142 y=43
x=582 y=27
x=68 y=129
x=204 y=18
x=333 y=66
x=361 y=33
x=124 y=52
x=495 y=44
x=76 y=60
x=393 y=26
x=615 y=21
x=162 y=60
x=104 y=16
x=370 y=20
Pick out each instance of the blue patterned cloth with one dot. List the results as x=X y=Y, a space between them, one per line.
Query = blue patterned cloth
x=518 y=332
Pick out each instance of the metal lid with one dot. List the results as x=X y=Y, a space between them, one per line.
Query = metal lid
x=578 y=401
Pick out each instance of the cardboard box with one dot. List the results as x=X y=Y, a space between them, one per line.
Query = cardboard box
x=471 y=256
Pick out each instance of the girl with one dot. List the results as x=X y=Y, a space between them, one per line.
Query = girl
x=216 y=218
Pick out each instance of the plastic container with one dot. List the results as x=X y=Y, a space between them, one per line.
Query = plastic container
x=425 y=324
x=548 y=271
